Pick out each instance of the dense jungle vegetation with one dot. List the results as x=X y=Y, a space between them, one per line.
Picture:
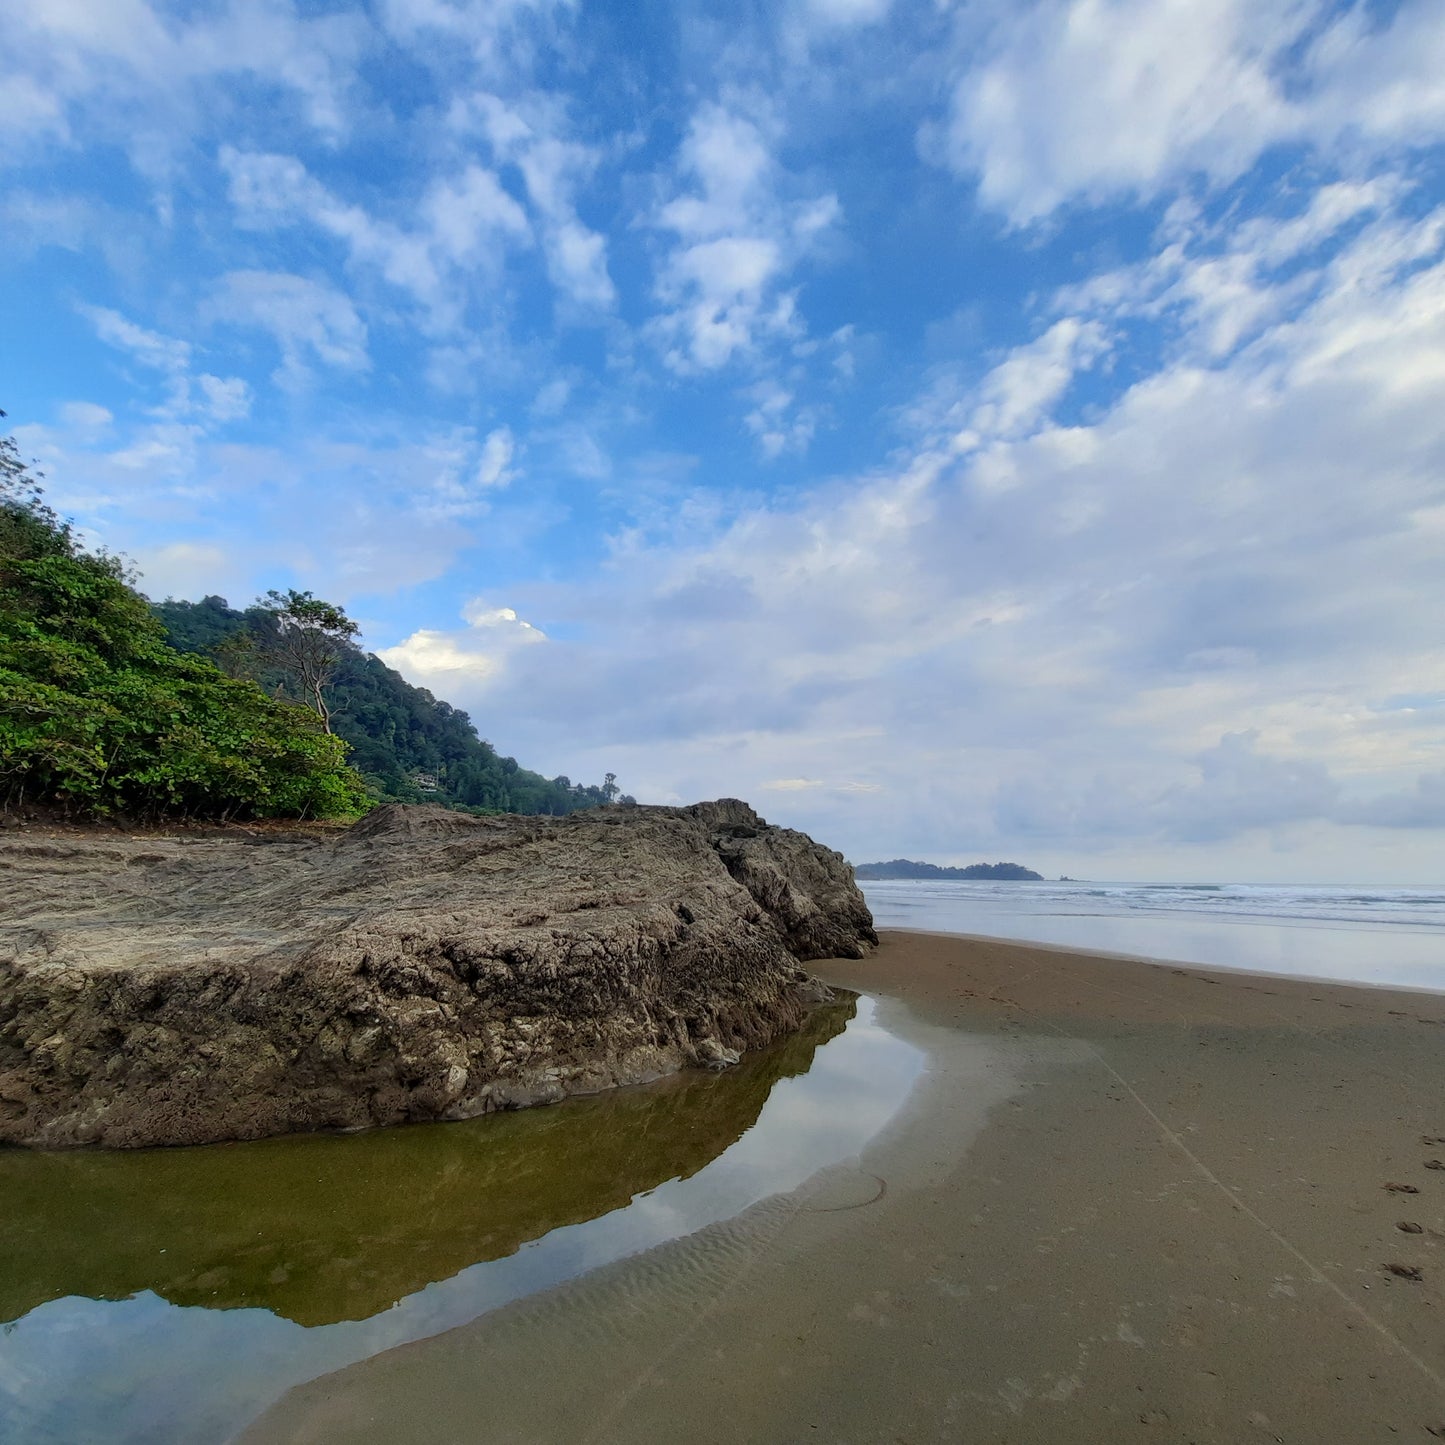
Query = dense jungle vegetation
x=100 y=715
x=110 y=705
x=409 y=746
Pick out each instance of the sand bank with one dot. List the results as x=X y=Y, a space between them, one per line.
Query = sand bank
x=1127 y=1202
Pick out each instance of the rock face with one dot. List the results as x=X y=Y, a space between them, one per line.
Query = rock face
x=423 y=964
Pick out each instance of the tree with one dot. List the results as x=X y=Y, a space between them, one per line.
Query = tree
x=99 y=715
x=237 y=655
x=307 y=643
x=28 y=527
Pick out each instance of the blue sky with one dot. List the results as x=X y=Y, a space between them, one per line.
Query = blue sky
x=985 y=429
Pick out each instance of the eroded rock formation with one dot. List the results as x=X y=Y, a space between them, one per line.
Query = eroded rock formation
x=423 y=964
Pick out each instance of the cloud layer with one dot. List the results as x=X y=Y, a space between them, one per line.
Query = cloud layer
x=1009 y=429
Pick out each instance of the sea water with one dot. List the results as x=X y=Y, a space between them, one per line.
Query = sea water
x=1391 y=936
x=167 y=1296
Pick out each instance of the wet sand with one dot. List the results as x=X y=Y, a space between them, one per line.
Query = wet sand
x=1127 y=1202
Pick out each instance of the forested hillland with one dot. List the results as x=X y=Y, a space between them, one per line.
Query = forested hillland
x=409 y=746
x=101 y=717
x=906 y=868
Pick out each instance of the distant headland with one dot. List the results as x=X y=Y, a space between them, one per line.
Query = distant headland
x=906 y=868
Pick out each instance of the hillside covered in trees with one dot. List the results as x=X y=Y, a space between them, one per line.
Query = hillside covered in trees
x=100 y=715
x=409 y=745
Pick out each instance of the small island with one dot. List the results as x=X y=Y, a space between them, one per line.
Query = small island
x=907 y=868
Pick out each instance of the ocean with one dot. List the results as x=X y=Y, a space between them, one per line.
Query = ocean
x=1393 y=936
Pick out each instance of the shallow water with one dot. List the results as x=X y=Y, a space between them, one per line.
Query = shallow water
x=170 y=1295
x=1392 y=936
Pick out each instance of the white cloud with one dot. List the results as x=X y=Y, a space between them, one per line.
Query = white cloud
x=1175 y=623
x=737 y=241
x=490 y=27
x=477 y=656
x=434 y=658
x=533 y=137
x=139 y=73
x=197 y=400
x=552 y=398
x=495 y=468
x=803 y=785
x=85 y=417
x=226 y=398
x=188 y=569
x=471 y=211
x=174 y=498
x=1220 y=287
x=33 y=221
x=848 y=13
x=777 y=429
x=310 y=320
x=1021 y=390
x=163 y=353
x=1093 y=100
x=27 y=107
x=469 y=222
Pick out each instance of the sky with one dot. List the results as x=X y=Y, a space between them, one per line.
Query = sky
x=1000 y=429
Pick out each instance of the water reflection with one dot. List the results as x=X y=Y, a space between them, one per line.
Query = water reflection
x=169 y=1295
x=323 y=1228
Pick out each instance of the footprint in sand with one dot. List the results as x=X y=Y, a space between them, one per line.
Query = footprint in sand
x=1408 y=1226
x=1395 y=1188
x=1406 y=1271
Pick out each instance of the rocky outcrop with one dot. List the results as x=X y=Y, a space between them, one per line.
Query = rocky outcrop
x=423 y=964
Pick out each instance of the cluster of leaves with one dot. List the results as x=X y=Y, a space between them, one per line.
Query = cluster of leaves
x=410 y=746
x=99 y=714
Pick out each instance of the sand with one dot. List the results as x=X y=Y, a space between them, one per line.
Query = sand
x=1127 y=1202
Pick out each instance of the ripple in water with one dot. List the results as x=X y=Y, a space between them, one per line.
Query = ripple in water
x=170 y=1295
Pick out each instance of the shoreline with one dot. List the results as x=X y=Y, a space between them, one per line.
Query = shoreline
x=1120 y=1197
x=1227 y=971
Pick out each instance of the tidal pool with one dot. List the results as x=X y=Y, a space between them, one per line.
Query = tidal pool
x=170 y=1295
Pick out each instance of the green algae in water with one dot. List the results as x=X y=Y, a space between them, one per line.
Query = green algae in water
x=322 y=1228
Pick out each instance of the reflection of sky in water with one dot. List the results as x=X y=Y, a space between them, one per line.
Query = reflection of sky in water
x=143 y=1370
x=1382 y=936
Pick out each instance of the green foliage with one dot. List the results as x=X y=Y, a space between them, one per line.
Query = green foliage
x=99 y=714
x=304 y=641
x=410 y=746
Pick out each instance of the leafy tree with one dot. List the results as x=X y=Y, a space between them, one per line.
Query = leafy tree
x=99 y=714
x=306 y=644
x=27 y=525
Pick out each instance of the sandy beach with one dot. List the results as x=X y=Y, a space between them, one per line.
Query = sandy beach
x=1127 y=1201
